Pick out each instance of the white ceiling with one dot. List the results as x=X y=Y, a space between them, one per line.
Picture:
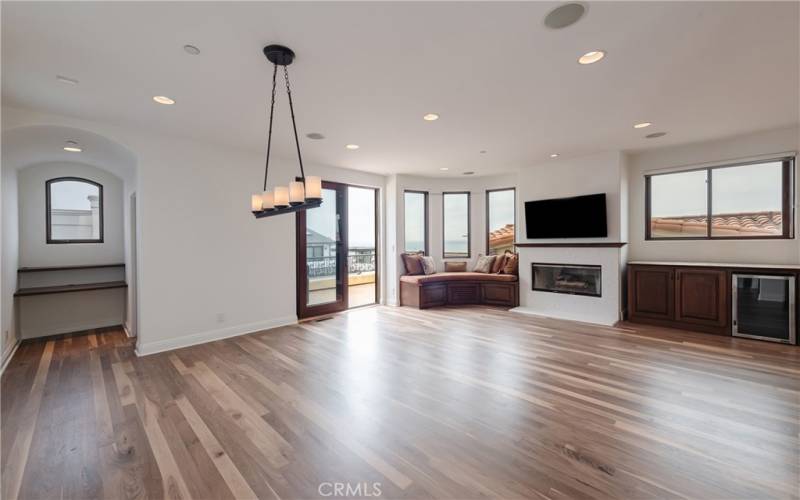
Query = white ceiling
x=367 y=72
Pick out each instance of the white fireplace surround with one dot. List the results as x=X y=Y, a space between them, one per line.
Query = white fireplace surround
x=604 y=310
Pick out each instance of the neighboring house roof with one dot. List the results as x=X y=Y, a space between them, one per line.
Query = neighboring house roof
x=503 y=236
x=314 y=237
x=739 y=224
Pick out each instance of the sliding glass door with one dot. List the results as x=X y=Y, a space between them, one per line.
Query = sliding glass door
x=337 y=251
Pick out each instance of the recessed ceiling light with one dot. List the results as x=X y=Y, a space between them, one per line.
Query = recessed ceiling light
x=162 y=99
x=191 y=50
x=642 y=125
x=591 y=57
x=444 y=169
x=565 y=15
x=655 y=135
x=554 y=155
x=430 y=117
x=469 y=173
x=72 y=147
x=315 y=135
x=67 y=80
x=352 y=147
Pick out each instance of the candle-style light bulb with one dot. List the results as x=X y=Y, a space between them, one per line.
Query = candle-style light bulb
x=297 y=193
x=281 y=198
x=313 y=188
x=255 y=203
x=267 y=200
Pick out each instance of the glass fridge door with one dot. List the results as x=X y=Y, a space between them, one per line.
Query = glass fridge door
x=763 y=307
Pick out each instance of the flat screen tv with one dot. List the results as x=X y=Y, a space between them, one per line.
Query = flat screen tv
x=576 y=217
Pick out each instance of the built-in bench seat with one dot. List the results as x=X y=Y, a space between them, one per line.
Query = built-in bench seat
x=450 y=288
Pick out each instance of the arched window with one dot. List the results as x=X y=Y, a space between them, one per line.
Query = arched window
x=74 y=210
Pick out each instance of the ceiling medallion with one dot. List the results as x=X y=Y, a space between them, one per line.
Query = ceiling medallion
x=304 y=192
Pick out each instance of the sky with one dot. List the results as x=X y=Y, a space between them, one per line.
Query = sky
x=72 y=195
x=360 y=216
x=749 y=188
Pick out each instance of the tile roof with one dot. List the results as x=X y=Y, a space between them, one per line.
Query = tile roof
x=738 y=224
x=502 y=236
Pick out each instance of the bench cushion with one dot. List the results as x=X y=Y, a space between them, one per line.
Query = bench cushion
x=465 y=276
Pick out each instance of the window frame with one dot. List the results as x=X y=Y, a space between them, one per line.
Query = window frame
x=787 y=202
x=469 y=226
x=425 y=222
x=488 y=232
x=49 y=237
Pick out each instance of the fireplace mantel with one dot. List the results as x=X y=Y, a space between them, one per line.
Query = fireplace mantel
x=590 y=244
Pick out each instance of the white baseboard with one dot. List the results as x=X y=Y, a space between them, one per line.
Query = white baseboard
x=147 y=348
x=577 y=318
x=8 y=355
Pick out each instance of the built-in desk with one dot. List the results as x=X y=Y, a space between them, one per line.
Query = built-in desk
x=62 y=299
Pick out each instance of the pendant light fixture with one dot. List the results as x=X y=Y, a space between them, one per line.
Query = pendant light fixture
x=304 y=192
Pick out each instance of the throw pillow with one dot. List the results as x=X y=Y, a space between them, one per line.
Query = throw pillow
x=413 y=263
x=484 y=264
x=428 y=265
x=499 y=264
x=512 y=263
x=455 y=267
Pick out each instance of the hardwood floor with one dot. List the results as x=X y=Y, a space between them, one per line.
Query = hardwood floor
x=448 y=403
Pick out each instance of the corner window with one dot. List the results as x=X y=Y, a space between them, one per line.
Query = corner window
x=416 y=221
x=455 y=223
x=74 y=210
x=746 y=201
x=500 y=219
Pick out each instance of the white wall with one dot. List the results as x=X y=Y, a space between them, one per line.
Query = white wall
x=207 y=268
x=730 y=251
x=9 y=258
x=558 y=178
x=392 y=264
x=604 y=310
x=33 y=248
x=598 y=173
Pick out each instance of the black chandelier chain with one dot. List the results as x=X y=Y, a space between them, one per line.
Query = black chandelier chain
x=294 y=124
x=271 y=115
x=271 y=118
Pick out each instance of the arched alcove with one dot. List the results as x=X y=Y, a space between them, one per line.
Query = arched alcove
x=33 y=154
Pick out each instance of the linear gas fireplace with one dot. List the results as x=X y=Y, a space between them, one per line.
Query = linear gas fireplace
x=567 y=278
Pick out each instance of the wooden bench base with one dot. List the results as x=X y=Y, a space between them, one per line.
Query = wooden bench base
x=443 y=293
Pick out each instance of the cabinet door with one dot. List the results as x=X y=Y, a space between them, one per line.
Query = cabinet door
x=463 y=293
x=651 y=292
x=701 y=296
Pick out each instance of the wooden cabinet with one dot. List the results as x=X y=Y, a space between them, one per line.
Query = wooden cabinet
x=701 y=296
x=499 y=294
x=463 y=293
x=651 y=292
x=691 y=298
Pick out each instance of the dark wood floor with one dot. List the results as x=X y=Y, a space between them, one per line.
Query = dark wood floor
x=448 y=403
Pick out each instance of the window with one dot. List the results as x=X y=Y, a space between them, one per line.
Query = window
x=752 y=200
x=74 y=210
x=500 y=219
x=416 y=221
x=455 y=222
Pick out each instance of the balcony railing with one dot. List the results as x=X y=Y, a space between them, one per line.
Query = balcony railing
x=357 y=263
